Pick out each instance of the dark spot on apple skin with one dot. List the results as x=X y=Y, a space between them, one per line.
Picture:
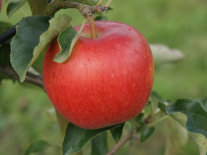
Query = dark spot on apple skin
x=129 y=29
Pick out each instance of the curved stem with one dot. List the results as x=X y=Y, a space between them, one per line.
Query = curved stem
x=50 y=10
x=158 y=120
x=6 y=36
x=99 y=3
x=120 y=143
x=108 y=3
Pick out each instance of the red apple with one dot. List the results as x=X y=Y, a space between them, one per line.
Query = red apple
x=106 y=80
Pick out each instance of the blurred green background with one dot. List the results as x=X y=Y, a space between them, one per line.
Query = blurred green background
x=26 y=113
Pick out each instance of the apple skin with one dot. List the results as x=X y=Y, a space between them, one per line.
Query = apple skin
x=106 y=80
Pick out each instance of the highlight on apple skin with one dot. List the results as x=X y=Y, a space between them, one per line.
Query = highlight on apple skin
x=106 y=80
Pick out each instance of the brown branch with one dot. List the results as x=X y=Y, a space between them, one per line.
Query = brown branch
x=57 y=5
x=68 y=4
x=120 y=143
x=86 y=10
x=148 y=119
x=65 y=4
x=34 y=79
x=30 y=78
x=129 y=136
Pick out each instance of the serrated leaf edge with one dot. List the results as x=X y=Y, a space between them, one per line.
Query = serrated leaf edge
x=75 y=150
x=189 y=119
x=75 y=39
x=36 y=51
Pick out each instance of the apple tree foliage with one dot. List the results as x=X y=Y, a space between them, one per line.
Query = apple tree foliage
x=183 y=117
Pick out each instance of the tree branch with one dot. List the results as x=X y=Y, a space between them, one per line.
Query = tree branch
x=57 y=5
x=120 y=143
x=30 y=78
x=50 y=10
x=6 y=36
x=87 y=10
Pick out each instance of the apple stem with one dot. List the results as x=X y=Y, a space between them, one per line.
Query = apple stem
x=87 y=12
x=92 y=27
x=120 y=143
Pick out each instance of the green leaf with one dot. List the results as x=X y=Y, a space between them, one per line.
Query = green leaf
x=162 y=107
x=138 y=121
x=37 y=146
x=201 y=141
x=176 y=137
x=154 y=95
x=26 y=39
x=76 y=138
x=57 y=25
x=139 y=118
x=146 y=133
x=155 y=101
x=100 y=17
x=38 y=64
x=199 y=138
x=196 y=113
x=204 y=104
x=32 y=39
x=99 y=144
x=117 y=132
x=13 y=6
x=66 y=41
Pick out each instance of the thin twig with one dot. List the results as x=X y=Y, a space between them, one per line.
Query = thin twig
x=95 y=9
x=99 y=2
x=108 y=3
x=158 y=121
x=69 y=4
x=148 y=119
x=66 y=4
x=86 y=12
x=57 y=5
x=6 y=36
x=120 y=143
x=30 y=78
